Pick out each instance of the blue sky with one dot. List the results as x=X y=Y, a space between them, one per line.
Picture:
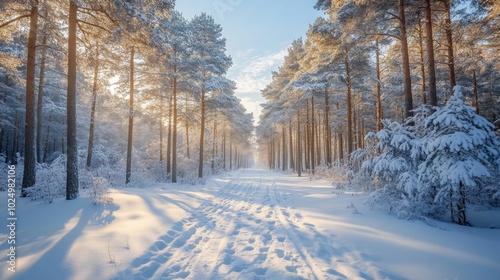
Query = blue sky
x=258 y=32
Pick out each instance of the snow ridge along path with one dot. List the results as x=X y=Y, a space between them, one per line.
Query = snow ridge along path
x=249 y=229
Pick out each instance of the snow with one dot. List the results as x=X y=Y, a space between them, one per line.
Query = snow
x=249 y=224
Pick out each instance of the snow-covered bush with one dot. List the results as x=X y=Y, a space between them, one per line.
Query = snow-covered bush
x=434 y=164
x=97 y=187
x=461 y=150
x=50 y=180
x=394 y=168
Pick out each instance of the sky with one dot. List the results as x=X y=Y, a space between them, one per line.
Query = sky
x=258 y=33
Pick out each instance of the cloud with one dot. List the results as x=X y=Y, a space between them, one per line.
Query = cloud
x=252 y=73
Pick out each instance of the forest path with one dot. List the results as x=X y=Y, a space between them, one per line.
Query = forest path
x=249 y=229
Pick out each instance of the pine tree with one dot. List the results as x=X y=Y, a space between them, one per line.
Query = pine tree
x=460 y=152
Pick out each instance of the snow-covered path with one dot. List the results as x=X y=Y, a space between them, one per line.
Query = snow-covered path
x=250 y=229
x=248 y=224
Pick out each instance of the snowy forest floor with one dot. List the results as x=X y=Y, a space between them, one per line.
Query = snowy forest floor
x=249 y=224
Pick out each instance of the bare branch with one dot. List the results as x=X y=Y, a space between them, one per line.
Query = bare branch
x=94 y=25
x=14 y=19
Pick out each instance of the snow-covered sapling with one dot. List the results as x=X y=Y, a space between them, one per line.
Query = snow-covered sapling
x=460 y=152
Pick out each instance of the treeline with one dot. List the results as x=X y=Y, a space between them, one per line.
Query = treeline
x=118 y=89
x=366 y=61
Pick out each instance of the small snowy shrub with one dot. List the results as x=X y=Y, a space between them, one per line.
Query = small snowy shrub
x=96 y=186
x=50 y=181
x=394 y=168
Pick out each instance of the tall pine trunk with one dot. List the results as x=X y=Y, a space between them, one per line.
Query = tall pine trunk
x=474 y=89
x=128 y=171
x=39 y=107
x=29 y=175
x=431 y=68
x=290 y=145
x=349 y=104
x=174 y=132
x=160 y=126
x=72 y=147
x=169 y=137
x=299 y=151
x=312 y=137
x=406 y=60
x=379 y=114
x=202 y=134
x=328 y=136
x=92 y=112
x=187 y=131
x=449 y=40
x=422 y=62
x=284 y=165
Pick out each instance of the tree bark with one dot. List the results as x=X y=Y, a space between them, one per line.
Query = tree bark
x=213 y=146
x=160 y=126
x=431 y=68
x=349 y=104
x=174 y=132
x=313 y=154
x=406 y=60
x=202 y=134
x=379 y=115
x=422 y=62
x=128 y=172
x=299 y=152
x=284 y=165
x=449 y=40
x=39 y=107
x=29 y=174
x=92 y=112
x=169 y=137
x=328 y=136
x=476 y=97
x=290 y=146
x=72 y=185
x=187 y=131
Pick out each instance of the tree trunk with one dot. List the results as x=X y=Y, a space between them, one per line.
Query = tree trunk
x=341 y=140
x=430 y=53
x=476 y=98
x=422 y=62
x=169 y=137
x=328 y=137
x=39 y=107
x=214 y=145
x=349 y=104
x=406 y=60
x=202 y=134
x=313 y=125
x=290 y=145
x=284 y=165
x=92 y=112
x=231 y=152
x=29 y=175
x=462 y=217
x=224 y=160
x=449 y=40
x=305 y=147
x=130 y=119
x=187 y=132
x=174 y=132
x=72 y=146
x=47 y=139
x=299 y=152
x=160 y=127
x=379 y=115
